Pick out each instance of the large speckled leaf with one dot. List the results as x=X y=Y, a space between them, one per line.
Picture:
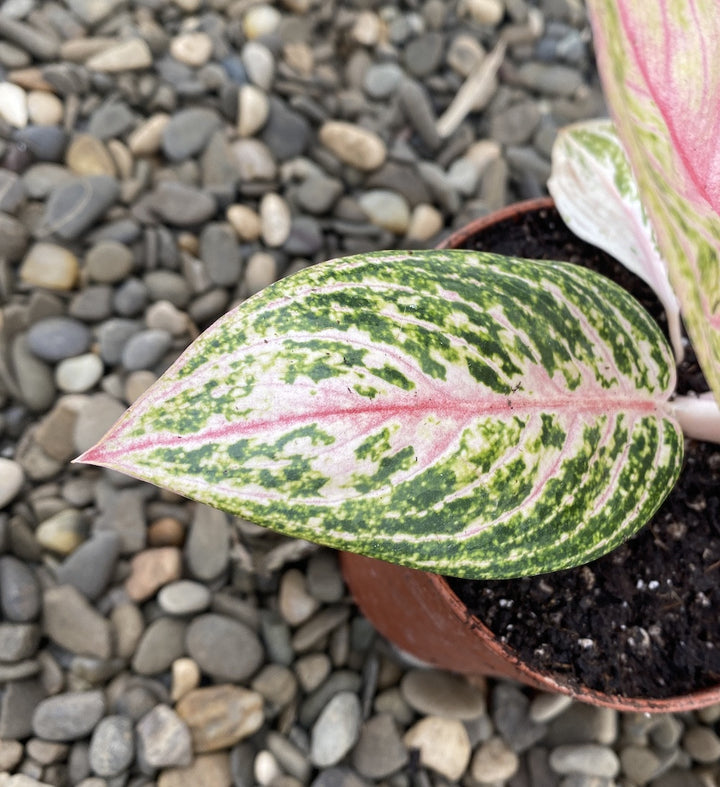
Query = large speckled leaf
x=597 y=195
x=660 y=64
x=455 y=411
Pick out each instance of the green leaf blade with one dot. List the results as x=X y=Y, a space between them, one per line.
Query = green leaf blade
x=455 y=411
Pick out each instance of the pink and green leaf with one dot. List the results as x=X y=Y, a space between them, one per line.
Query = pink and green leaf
x=454 y=411
x=661 y=72
x=597 y=196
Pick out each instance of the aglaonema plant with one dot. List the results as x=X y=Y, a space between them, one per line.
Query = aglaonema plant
x=458 y=412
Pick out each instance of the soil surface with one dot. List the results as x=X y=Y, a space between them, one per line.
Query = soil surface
x=642 y=620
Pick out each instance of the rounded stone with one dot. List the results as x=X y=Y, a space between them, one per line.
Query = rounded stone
x=381 y=79
x=224 y=648
x=590 y=759
x=275 y=218
x=129 y=55
x=245 y=221
x=11 y=480
x=437 y=693
x=163 y=739
x=353 y=145
x=261 y=20
x=51 y=266
x=259 y=64
x=145 y=349
x=379 y=751
x=87 y=155
x=253 y=110
x=13 y=104
x=181 y=205
x=69 y=716
x=112 y=746
x=386 y=209
x=188 y=132
x=443 y=744
x=260 y=271
x=146 y=139
x=108 y=262
x=56 y=338
x=220 y=252
x=194 y=49
x=184 y=597
x=161 y=643
x=151 y=569
x=296 y=605
x=702 y=744
x=336 y=730
x=62 y=532
x=494 y=761
x=45 y=109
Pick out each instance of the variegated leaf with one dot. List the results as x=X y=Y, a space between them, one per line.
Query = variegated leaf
x=660 y=65
x=454 y=411
x=597 y=196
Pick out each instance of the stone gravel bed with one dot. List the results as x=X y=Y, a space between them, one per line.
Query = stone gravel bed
x=162 y=160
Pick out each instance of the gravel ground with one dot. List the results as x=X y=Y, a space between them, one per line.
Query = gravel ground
x=162 y=160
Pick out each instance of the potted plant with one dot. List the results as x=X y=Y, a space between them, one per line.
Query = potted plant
x=460 y=412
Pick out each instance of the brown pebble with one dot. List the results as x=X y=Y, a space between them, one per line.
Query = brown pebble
x=166 y=532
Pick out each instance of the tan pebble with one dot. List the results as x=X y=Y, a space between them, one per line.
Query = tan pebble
x=146 y=139
x=299 y=56
x=260 y=271
x=486 y=12
x=151 y=569
x=128 y=627
x=367 y=28
x=357 y=146
x=494 y=762
x=220 y=716
x=30 y=79
x=166 y=532
x=87 y=155
x=137 y=383
x=185 y=677
x=296 y=605
x=13 y=104
x=245 y=221
x=465 y=54
x=386 y=209
x=63 y=532
x=443 y=744
x=192 y=49
x=78 y=50
x=297 y=6
x=261 y=20
x=122 y=157
x=275 y=219
x=188 y=241
x=45 y=109
x=425 y=222
x=165 y=316
x=208 y=770
x=51 y=266
x=482 y=153
x=128 y=55
x=253 y=109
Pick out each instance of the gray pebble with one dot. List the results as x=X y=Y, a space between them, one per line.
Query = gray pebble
x=121 y=512
x=112 y=746
x=424 y=54
x=90 y=567
x=379 y=751
x=207 y=548
x=702 y=744
x=381 y=80
x=45 y=143
x=516 y=124
x=145 y=349
x=550 y=79
x=38 y=43
x=130 y=297
x=276 y=637
x=184 y=597
x=336 y=730
x=286 y=132
x=113 y=335
x=323 y=577
x=639 y=763
x=56 y=338
x=342 y=777
x=305 y=238
x=109 y=262
x=18 y=702
x=33 y=376
x=511 y=717
x=181 y=205
x=68 y=716
x=168 y=286
x=20 y=598
x=74 y=207
x=224 y=648
x=312 y=705
x=220 y=252
x=111 y=119
x=12 y=191
x=162 y=642
x=71 y=622
x=317 y=194
x=18 y=640
x=590 y=759
x=438 y=693
x=40 y=179
x=209 y=306
x=416 y=105
x=188 y=132
x=253 y=160
x=95 y=418
x=164 y=739
x=92 y=304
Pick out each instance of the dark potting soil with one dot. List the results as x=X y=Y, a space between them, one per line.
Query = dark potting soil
x=643 y=620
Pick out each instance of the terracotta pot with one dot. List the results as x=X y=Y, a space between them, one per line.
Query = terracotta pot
x=420 y=614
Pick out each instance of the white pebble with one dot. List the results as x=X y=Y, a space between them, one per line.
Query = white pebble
x=192 y=49
x=244 y=221
x=275 y=219
x=261 y=20
x=425 y=222
x=486 y=12
x=253 y=110
x=386 y=209
x=11 y=480
x=78 y=374
x=259 y=64
x=13 y=104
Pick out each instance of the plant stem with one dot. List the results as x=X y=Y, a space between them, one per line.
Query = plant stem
x=699 y=416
